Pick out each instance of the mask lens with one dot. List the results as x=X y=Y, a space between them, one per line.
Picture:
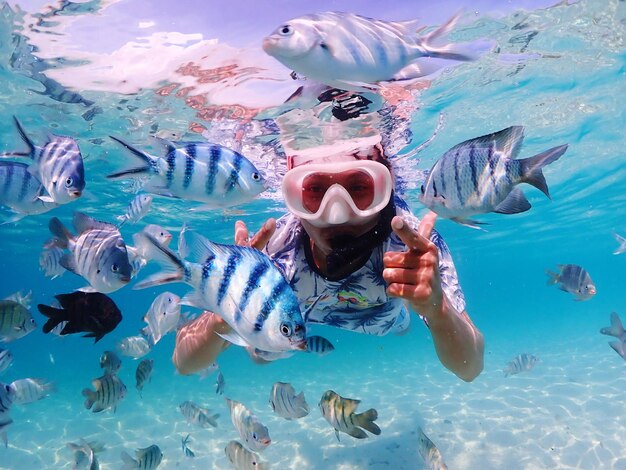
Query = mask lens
x=359 y=184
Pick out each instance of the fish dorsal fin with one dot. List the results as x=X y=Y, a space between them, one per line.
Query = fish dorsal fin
x=199 y=249
x=82 y=223
x=167 y=145
x=350 y=405
x=507 y=141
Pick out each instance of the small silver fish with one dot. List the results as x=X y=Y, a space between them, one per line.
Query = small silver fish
x=7 y=395
x=6 y=359
x=148 y=458
x=143 y=373
x=480 y=175
x=139 y=255
x=220 y=384
x=137 y=209
x=98 y=253
x=522 y=362
x=16 y=321
x=31 y=390
x=197 y=171
x=616 y=329
x=50 y=262
x=622 y=244
x=85 y=454
x=286 y=403
x=341 y=414
x=429 y=452
x=133 y=346
x=319 y=345
x=197 y=415
x=255 y=436
x=163 y=316
x=186 y=450
x=110 y=362
x=58 y=165
x=573 y=279
x=21 y=192
x=243 y=459
x=353 y=52
x=109 y=391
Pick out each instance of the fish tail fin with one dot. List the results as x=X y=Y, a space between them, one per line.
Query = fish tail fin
x=24 y=136
x=301 y=403
x=553 y=278
x=618 y=347
x=616 y=329
x=622 y=244
x=129 y=462
x=173 y=266
x=447 y=51
x=149 y=162
x=61 y=233
x=530 y=168
x=366 y=421
x=90 y=397
x=55 y=316
x=212 y=420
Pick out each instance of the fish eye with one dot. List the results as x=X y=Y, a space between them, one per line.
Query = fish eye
x=115 y=268
x=32 y=321
x=254 y=436
x=256 y=176
x=69 y=181
x=7 y=388
x=286 y=30
x=285 y=329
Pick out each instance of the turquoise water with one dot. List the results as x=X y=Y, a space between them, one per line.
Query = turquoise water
x=565 y=84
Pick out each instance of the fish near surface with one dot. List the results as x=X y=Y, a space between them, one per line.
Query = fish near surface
x=58 y=165
x=573 y=279
x=20 y=191
x=480 y=175
x=197 y=171
x=353 y=52
x=341 y=414
x=85 y=312
x=98 y=253
x=241 y=285
x=16 y=321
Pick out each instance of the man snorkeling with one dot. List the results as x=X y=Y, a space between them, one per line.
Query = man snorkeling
x=355 y=256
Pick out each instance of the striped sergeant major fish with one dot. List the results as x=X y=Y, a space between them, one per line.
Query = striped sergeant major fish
x=7 y=395
x=20 y=191
x=197 y=415
x=480 y=175
x=110 y=362
x=353 y=52
x=187 y=452
x=522 y=362
x=50 y=262
x=58 y=165
x=573 y=279
x=139 y=254
x=197 y=171
x=85 y=454
x=98 y=253
x=220 y=384
x=143 y=374
x=148 y=458
x=6 y=359
x=286 y=403
x=341 y=414
x=255 y=436
x=241 y=285
x=16 y=321
x=31 y=390
x=136 y=210
x=163 y=316
x=319 y=345
x=616 y=329
x=242 y=458
x=429 y=452
x=109 y=391
x=133 y=346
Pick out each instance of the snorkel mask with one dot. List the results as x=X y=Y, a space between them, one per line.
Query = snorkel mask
x=345 y=186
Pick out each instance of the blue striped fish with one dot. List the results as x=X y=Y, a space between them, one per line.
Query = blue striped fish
x=137 y=209
x=20 y=191
x=352 y=52
x=241 y=285
x=319 y=345
x=58 y=165
x=148 y=458
x=479 y=176
x=98 y=253
x=197 y=171
x=7 y=395
x=30 y=390
x=143 y=374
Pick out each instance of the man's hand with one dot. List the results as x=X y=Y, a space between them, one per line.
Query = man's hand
x=259 y=240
